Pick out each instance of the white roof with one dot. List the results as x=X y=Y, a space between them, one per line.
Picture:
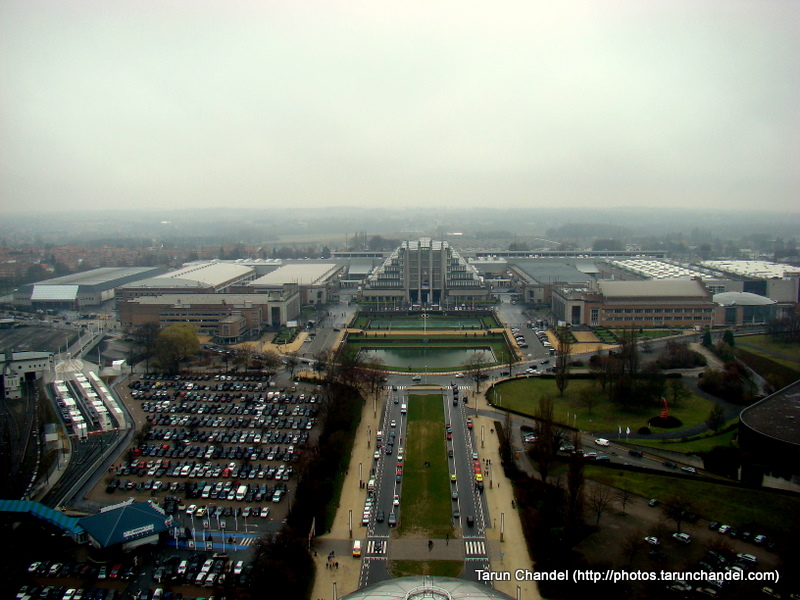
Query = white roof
x=214 y=273
x=654 y=288
x=753 y=268
x=54 y=292
x=301 y=274
x=742 y=299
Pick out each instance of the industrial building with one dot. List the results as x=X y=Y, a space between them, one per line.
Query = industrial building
x=228 y=318
x=534 y=280
x=19 y=367
x=778 y=281
x=678 y=303
x=80 y=290
x=195 y=278
x=316 y=282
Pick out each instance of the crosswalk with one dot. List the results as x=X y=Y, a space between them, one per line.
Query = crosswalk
x=376 y=547
x=474 y=548
x=397 y=388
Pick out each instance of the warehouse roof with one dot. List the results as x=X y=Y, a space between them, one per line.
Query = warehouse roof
x=301 y=274
x=96 y=280
x=213 y=274
x=187 y=300
x=647 y=289
x=753 y=268
x=553 y=271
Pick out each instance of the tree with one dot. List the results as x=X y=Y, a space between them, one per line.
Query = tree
x=727 y=337
x=707 y=341
x=677 y=392
x=243 y=358
x=291 y=361
x=145 y=337
x=272 y=361
x=321 y=363
x=176 y=343
x=676 y=509
x=543 y=451
x=475 y=368
x=716 y=418
x=563 y=358
x=623 y=496
x=575 y=488
x=588 y=396
x=599 y=501
x=632 y=545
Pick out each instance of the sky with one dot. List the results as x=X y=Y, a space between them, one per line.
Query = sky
x=157 y=104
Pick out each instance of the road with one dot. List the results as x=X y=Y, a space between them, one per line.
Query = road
x=387 y=468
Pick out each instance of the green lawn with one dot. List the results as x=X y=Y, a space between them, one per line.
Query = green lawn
x=522 y=395
x=764 y=346
x=755 y=510
x=436 y=568
x=699 y=445
x=425 y=504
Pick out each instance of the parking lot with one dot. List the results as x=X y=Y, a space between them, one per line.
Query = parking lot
x=225 y=447
x=220 y=454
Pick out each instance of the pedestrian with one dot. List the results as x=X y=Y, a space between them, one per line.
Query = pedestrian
x=337 y=564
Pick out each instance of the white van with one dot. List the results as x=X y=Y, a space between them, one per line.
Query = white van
x=356 y=548
x=241 y=492
x=403 y=409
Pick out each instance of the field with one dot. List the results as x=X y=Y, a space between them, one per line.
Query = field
x=787 y=355
x=425 y=499
x=435 y=568
x=743 y=508
x=522 y=395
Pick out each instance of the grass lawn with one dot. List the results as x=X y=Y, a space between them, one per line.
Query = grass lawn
x=700 y=445
x=523 y=396
x=436 y=568
x=425 y=505
x=755 y=510
x=764 y=346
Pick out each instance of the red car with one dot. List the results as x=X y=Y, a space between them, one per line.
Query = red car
x=469 y=423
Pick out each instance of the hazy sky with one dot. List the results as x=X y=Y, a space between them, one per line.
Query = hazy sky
x=166 y=103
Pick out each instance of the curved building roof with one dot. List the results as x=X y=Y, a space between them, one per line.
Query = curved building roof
x=430 y=588
x=742 y=299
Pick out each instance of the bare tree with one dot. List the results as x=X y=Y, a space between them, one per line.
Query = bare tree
x=291 y=361
x=623 y=496
x=659 y=528
x=543 y=451
x=563 y=358
x=589 y=395
x=599 y=501
x=575 y=491
x=475 y=368
x=272 y=361
x=677 y=392
x=676 y=508
x=632 y=545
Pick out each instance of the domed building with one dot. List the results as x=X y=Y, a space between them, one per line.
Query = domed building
x=742 y=308
x=431 y=588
